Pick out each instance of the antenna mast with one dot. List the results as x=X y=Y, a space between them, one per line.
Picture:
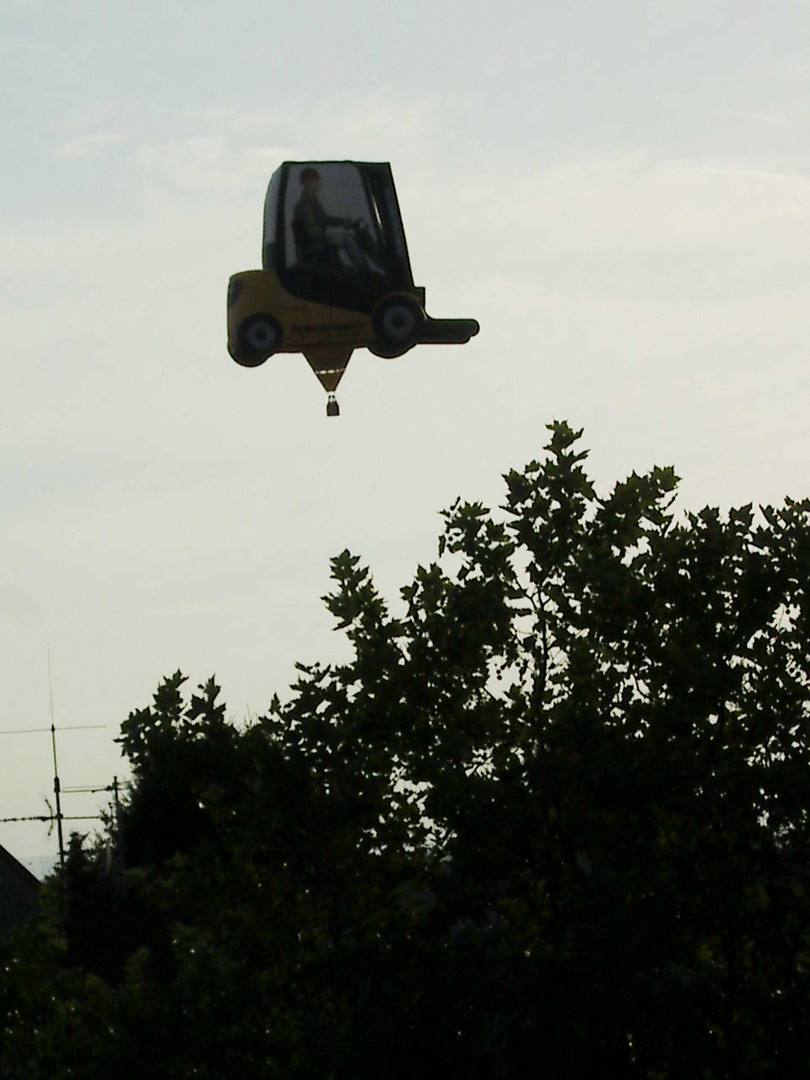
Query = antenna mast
x=57 y=787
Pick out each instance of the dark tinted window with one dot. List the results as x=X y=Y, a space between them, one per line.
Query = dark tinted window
x=333 y=242
x=270 y=219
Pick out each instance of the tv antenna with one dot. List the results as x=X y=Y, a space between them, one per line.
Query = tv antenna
x=56 y=814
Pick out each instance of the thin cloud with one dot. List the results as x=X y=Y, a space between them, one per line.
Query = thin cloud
x=762 y=119
x=91 y=146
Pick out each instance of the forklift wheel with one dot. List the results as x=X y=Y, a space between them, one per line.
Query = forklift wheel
x=259 y=338
x=397 y=322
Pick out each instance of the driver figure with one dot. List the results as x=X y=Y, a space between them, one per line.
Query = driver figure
x=315 y=246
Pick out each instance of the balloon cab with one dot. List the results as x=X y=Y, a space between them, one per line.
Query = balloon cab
x=335 y=275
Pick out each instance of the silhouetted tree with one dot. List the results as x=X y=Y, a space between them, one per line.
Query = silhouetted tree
x=549 y=820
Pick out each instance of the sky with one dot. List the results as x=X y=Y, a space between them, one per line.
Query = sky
x=617 y=192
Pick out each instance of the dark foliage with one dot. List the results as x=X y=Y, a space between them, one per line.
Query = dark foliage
x=551 y=820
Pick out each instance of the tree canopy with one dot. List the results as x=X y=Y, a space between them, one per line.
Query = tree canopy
x=550 y=819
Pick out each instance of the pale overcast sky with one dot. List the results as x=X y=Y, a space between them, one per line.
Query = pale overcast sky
x=617 y=192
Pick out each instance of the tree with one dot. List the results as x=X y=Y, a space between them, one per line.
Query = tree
x=550 y=819
x=596 y=724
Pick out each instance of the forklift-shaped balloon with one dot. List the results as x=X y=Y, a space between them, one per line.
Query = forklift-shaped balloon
x=336 y=275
